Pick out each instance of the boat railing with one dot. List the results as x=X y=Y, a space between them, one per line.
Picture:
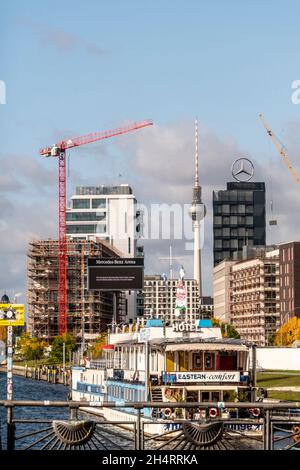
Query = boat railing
x=104 y=364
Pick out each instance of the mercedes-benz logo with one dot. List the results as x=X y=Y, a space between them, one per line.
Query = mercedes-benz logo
x=242 y=169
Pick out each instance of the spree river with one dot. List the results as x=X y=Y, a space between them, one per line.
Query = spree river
x=27 y=389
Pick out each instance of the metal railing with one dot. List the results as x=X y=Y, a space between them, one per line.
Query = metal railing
x=264 y=425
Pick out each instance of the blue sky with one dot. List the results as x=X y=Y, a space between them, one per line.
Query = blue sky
x=75 y=67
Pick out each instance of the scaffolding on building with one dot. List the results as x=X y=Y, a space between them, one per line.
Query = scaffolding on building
x=88 y=312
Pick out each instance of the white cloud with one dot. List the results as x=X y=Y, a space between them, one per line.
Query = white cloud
x=159 y=164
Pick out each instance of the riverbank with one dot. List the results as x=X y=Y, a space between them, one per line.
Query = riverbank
x=50 y=374
x=280 y=385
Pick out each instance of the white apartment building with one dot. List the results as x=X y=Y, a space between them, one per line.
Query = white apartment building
x=160 y=298
x=221 y=290
x=107 y=213
x=254 y=297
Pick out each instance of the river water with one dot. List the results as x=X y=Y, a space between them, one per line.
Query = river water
x=27 y=389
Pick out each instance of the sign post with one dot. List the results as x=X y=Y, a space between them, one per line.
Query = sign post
x=9 y=363
x=11 y=315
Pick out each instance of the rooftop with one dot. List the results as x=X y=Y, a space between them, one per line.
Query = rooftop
x=103 y=190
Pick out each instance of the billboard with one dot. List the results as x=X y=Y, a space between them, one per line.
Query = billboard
x=115 y=274
x=12 y=315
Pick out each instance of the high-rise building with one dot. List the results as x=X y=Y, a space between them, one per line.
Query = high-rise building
x=239 y=219
x=109 y=213
x=254 y=297
x=160 y=296
x=87 y=311
x=197 y=213
x=289 y=265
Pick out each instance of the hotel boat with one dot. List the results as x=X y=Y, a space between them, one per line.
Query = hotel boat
x=186 y=362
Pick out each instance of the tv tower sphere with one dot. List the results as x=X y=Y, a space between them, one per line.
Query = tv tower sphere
x=197 y=211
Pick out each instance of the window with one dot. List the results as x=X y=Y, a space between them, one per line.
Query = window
x=225 y=209
x=218 y=220
x=94 y=228
x=84 y=216
x=218 y=244
x=208 y=361
x=204 y=396
x=197 y=361
x=81 y=203
x=233 y=244
x=98 y=203
x=233 y=220
x=241 y=209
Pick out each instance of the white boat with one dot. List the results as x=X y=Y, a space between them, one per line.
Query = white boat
x=185 y=362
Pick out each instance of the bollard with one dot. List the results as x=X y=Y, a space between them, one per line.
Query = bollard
x=25 y=371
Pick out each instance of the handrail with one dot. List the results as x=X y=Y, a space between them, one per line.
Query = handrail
x=151 y=404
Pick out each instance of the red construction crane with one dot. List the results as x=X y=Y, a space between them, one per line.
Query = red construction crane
x=59 y=151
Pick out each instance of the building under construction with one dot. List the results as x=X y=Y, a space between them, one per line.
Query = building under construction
x=87 y=311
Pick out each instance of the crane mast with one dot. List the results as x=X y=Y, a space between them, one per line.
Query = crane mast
x=281 y=149
x=59 y=151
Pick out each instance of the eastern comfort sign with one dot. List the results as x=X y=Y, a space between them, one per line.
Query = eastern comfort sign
x=115 y=274
x=208 y=376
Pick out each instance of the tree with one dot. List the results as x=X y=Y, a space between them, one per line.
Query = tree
x=288 y=332
x=96 y=351
x=29 y=348
x=227 y=330
x=58 y=348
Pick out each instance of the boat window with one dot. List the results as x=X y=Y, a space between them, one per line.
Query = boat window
x=215 y=396
x=208 y=361
x=204 y=396
x=197 y=361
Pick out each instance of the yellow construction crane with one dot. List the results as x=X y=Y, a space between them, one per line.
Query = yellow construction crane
x=281 y=149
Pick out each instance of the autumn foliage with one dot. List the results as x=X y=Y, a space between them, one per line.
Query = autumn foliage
x=31 y=348
x=288 y=332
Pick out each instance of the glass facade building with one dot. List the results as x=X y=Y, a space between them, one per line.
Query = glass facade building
x=239 y=219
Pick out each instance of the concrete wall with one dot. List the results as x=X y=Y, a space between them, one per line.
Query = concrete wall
x=278 y=358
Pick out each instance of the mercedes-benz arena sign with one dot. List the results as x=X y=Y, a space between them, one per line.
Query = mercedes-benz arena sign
x=116 y=274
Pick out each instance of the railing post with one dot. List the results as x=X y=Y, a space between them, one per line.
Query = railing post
x=267 y=430
x=10 y=429
x=73 y=412
x=142 y=436
x=138 y=430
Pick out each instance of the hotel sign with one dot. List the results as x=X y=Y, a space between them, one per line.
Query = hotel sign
x=219 y=376
x=186 y=327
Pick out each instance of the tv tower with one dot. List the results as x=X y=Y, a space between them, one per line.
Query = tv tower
x=197 y=213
